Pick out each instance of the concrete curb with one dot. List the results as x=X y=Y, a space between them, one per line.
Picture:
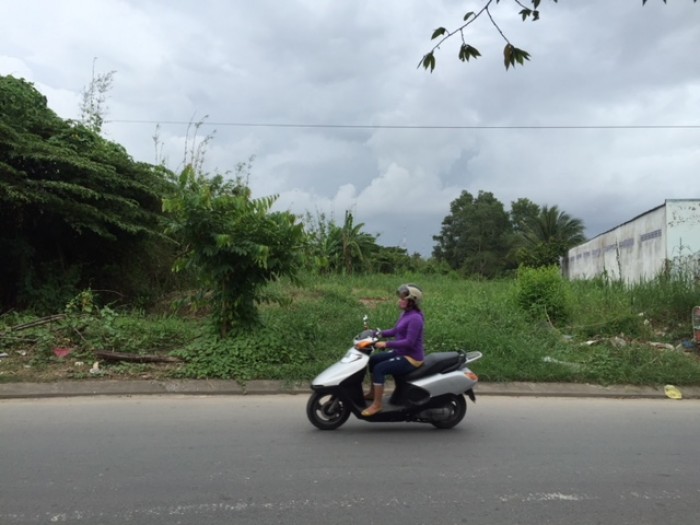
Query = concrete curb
x=108 y=387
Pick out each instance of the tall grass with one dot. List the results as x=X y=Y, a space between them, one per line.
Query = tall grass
x=605 y=336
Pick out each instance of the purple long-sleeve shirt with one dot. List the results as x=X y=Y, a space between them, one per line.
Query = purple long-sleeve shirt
x=408 y=335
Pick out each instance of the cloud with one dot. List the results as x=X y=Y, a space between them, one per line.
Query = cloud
x=576 y=122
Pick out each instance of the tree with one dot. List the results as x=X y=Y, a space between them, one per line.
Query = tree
x=521 y=211
x=475 y=235
x=75 y=209
x=511 y=54
x=318 y=249
x=339 y=248
x=546 y=237
x=355 y=246
x=394 y=259
x=233 y=243
x=93 y=107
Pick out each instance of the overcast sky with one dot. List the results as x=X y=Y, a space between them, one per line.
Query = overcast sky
x=626 y=77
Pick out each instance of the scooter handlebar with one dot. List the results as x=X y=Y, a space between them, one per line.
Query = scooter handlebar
x=365 y=344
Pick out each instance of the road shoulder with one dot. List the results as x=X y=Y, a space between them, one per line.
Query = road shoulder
x=108 y=387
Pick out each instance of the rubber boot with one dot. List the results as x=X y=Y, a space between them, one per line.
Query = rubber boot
x=370 y=395
x=376 y=405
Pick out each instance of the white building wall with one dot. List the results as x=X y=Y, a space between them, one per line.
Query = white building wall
x=647 y=258
x=640 y=249
x=683 y=240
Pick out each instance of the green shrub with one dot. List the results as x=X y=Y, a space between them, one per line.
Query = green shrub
x=243 y=357
x=47 y=287
x=544 y=293
x=605 y=339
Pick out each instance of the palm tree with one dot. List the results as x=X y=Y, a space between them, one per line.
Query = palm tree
x=353 y=247
x=547 y=236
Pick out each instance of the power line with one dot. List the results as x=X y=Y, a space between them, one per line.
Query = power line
x=382 y=126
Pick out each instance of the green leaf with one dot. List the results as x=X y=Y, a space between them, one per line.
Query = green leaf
x=466 y=52
x=463 y=54
x=429 y=61
x=508 y=55
x=525 y=13
x=469 y=15
x=438 y=32
x=535 y=3
x=223 y=240
x=512 y=54
x=520 y=55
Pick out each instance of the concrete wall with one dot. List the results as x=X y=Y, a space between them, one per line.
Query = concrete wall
x=683 y=239
x=641 y=248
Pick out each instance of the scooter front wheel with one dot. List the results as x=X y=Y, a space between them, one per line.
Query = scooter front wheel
x=326 y=411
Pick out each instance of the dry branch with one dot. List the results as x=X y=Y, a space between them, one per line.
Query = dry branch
x=135 y=358
x=38 y=322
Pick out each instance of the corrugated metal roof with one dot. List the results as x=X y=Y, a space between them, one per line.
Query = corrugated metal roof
x=638 y=216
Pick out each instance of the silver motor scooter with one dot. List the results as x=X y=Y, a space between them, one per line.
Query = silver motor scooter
x=433 y=393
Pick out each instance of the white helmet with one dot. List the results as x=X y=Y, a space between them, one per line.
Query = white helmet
x=410 y=291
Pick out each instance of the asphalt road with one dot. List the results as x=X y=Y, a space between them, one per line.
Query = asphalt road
x=256 y=459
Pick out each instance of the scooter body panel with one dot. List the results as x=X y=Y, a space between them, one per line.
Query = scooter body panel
x=455 y=382
x=351 y=363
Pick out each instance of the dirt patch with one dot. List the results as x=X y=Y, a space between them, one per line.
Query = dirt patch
x=25 y=367
x=371 y=303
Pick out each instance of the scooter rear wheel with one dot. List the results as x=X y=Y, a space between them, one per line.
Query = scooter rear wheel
x=457 y=409
x=326 y=411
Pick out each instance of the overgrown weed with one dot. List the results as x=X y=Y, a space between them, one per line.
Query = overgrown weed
x=605 y=336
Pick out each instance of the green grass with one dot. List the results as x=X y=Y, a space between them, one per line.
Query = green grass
x=604 y=337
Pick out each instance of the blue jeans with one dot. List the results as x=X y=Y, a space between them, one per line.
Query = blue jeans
x=388 y=363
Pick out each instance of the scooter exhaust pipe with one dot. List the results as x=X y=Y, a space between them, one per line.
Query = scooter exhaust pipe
x=435 y=414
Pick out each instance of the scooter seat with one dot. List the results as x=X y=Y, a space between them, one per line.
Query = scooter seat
x=439 y=362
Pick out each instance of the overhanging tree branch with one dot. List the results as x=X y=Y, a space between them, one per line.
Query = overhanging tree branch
x=511 y=54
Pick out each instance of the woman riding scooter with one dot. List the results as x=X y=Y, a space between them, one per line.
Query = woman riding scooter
x=406 y=352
